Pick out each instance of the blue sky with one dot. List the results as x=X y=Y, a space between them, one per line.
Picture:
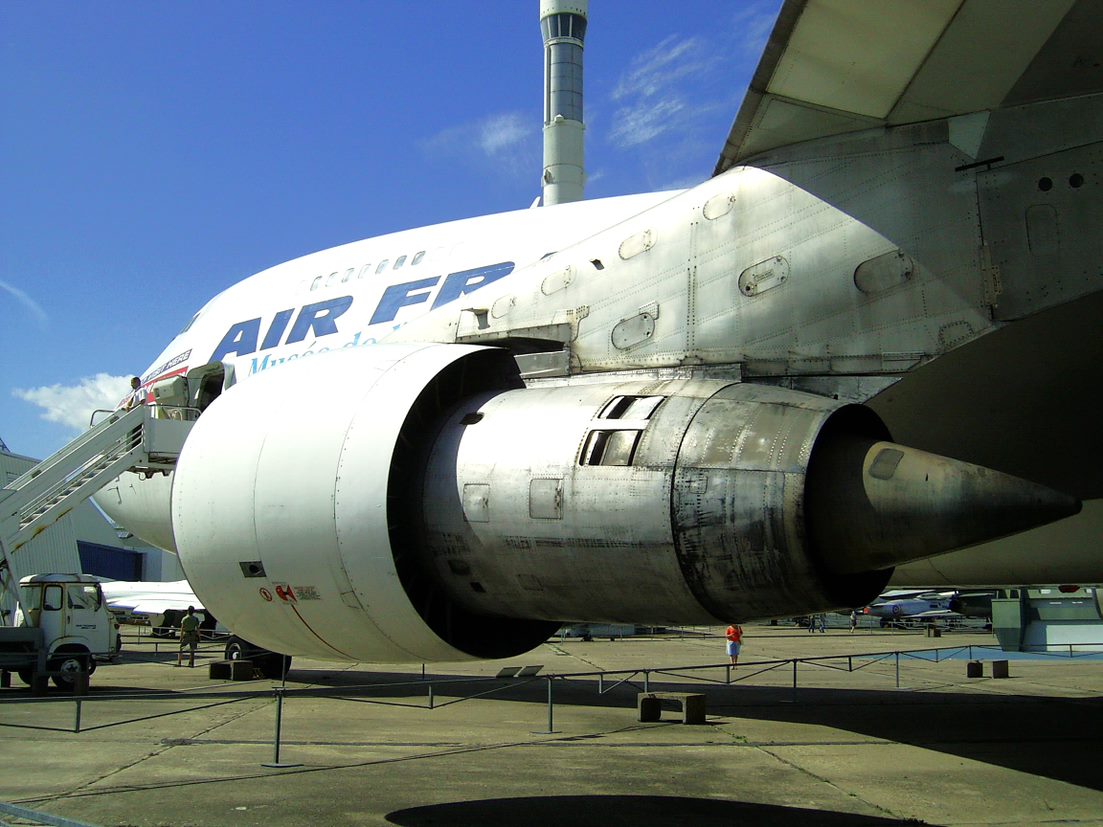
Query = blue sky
x=154 y=153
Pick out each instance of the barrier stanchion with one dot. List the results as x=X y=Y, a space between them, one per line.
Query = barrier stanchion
x=278 y=691
x=897 y=670
x=76 y=723
x=551 y=723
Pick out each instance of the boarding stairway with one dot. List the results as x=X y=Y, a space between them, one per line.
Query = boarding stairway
x=143 y=439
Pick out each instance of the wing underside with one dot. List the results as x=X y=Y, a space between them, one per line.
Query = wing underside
x=837 y=66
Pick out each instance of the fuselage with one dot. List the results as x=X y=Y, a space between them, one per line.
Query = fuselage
x=357 y=293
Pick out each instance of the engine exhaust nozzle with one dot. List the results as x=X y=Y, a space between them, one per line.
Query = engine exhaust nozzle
x=875 y=504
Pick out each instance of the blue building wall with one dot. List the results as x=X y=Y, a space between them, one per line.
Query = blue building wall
x=107 y=561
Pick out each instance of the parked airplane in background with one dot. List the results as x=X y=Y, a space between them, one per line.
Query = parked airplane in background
x=733 y=401
x=160 y=605
x=895 y=605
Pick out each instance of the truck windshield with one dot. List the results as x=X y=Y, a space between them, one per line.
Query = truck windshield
x=31 y=597
x=84 y=596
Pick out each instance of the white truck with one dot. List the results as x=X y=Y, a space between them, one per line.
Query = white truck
x=62 y=631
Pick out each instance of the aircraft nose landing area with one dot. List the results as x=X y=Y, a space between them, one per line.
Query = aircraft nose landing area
x=847 y=747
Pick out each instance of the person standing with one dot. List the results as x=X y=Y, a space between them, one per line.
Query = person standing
x=189 y=636
x=853 y=620
x=136 y=396
x=734 y=635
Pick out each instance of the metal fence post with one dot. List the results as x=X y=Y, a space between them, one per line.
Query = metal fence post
x=278 y=691
x=551 y=726
x=430 y=695
x=76 y=723
x=897 y=670
x=646 y=681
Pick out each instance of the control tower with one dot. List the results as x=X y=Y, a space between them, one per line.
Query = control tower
x=563 y=24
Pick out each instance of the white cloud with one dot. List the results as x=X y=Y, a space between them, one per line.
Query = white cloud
x=645 y=123
x=753 y=25
x=658 y=70
x=502 y=133
x=660 y=90
x=27 y=302
x=505 y=139
x=73 y=405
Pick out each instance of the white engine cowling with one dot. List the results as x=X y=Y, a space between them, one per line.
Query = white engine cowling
x=280 y=505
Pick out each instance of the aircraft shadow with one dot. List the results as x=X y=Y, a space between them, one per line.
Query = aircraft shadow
x=606 y=810
x=1050 y=737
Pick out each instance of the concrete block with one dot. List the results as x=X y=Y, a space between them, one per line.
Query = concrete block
x=649 y=705
x=974 y=669
x=999 y=669
x=231 y=670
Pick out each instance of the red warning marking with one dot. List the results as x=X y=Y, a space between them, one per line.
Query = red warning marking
x=267 y=595
x=285 y=593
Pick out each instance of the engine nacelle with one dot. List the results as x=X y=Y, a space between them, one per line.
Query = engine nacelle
x=281 y=497
x=414 y=503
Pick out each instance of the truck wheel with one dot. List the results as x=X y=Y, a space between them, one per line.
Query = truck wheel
x=26 y=675
x=69 y=665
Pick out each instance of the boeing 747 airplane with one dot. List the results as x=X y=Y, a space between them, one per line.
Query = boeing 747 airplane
x=869 y=342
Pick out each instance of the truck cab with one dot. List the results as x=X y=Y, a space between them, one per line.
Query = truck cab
x=74 y=628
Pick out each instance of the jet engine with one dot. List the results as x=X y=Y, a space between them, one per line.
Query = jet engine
x=412 y=503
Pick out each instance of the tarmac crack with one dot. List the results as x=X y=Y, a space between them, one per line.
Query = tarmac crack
x=82 y=790
x=828 y=782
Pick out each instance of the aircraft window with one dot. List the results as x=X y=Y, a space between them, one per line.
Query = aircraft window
x=332 y=278
x=187 y=327
x=417 y=258
x=382 y=266
x=610 y=448
x=314 y=285
x=365 y=271
x=398 y=262
x=348 y=274
x=631 y=407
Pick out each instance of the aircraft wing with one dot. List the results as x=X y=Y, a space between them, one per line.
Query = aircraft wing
x=149 y=598
x=151 y=605
x=934 y=613
x=837 y=66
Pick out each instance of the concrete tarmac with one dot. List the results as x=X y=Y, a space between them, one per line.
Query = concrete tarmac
x=361 y=745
